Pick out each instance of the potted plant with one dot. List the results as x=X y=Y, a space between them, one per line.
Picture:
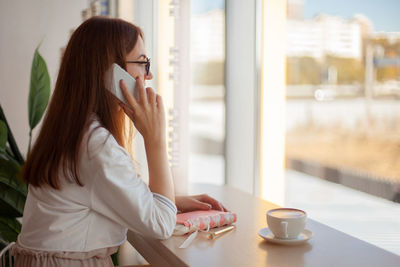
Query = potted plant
x=12 y=190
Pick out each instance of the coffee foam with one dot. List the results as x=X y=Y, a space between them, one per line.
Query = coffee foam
x=287 y=213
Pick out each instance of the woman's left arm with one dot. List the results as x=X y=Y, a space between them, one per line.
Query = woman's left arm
x=198 y=202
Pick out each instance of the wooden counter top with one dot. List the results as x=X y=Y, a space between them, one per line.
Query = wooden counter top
x=243 y=247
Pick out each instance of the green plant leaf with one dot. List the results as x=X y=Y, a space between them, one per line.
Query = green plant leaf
x=9 y=168
x=39 y=92
x=114 y=258
x=3 y=136
x=11 y=141
x=9 y=229
x=12 y=191
x=14 y=184
x=9 y=155
x=11 y=202
x=9 y=172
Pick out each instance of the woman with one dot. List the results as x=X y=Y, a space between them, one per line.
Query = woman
x=84 y=192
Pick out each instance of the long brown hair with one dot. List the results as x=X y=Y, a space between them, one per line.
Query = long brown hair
x=80 y=92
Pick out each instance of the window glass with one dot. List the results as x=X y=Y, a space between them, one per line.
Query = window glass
x=207 y=104
x=343 y=111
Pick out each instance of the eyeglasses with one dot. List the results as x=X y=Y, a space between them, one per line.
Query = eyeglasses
x=147 y=62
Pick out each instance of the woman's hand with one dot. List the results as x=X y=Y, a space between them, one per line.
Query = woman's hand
x=198 y=202
x=147 y=112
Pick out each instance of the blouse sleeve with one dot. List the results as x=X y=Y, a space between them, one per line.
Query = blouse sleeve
x=119 y=194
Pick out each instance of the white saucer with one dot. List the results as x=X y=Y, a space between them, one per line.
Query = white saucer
x=269 y=236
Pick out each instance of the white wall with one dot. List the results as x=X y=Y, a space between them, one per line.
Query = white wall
x=23 y=24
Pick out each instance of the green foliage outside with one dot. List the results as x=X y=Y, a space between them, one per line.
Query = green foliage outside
x=349 y=70
x=391 y=48
x=387 y=74
x=307 y=70
x=303 y=70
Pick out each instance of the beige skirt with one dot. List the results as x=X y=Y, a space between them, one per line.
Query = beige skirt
x=25 y=257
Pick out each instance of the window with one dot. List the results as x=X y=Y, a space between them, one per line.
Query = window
x=207 y=92
x=343 y=122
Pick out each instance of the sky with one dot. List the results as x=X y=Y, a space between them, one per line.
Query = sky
x=200 y=6
x=384 y=14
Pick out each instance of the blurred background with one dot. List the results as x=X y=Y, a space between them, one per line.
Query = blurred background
x=296 y=101
x=343 y=63
x=342 y=112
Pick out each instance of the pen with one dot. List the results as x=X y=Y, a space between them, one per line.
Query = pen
x=215 y=234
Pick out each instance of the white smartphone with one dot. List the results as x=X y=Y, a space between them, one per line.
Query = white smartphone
x=114 y=74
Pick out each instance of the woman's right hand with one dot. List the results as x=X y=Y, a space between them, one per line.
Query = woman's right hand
x=147 y=112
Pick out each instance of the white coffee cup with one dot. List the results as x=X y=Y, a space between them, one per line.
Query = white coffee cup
x=286 y=223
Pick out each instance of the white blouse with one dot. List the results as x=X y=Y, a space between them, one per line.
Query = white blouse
x=98 y=214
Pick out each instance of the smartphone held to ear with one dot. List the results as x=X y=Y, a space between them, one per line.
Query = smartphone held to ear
x=113 y=76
